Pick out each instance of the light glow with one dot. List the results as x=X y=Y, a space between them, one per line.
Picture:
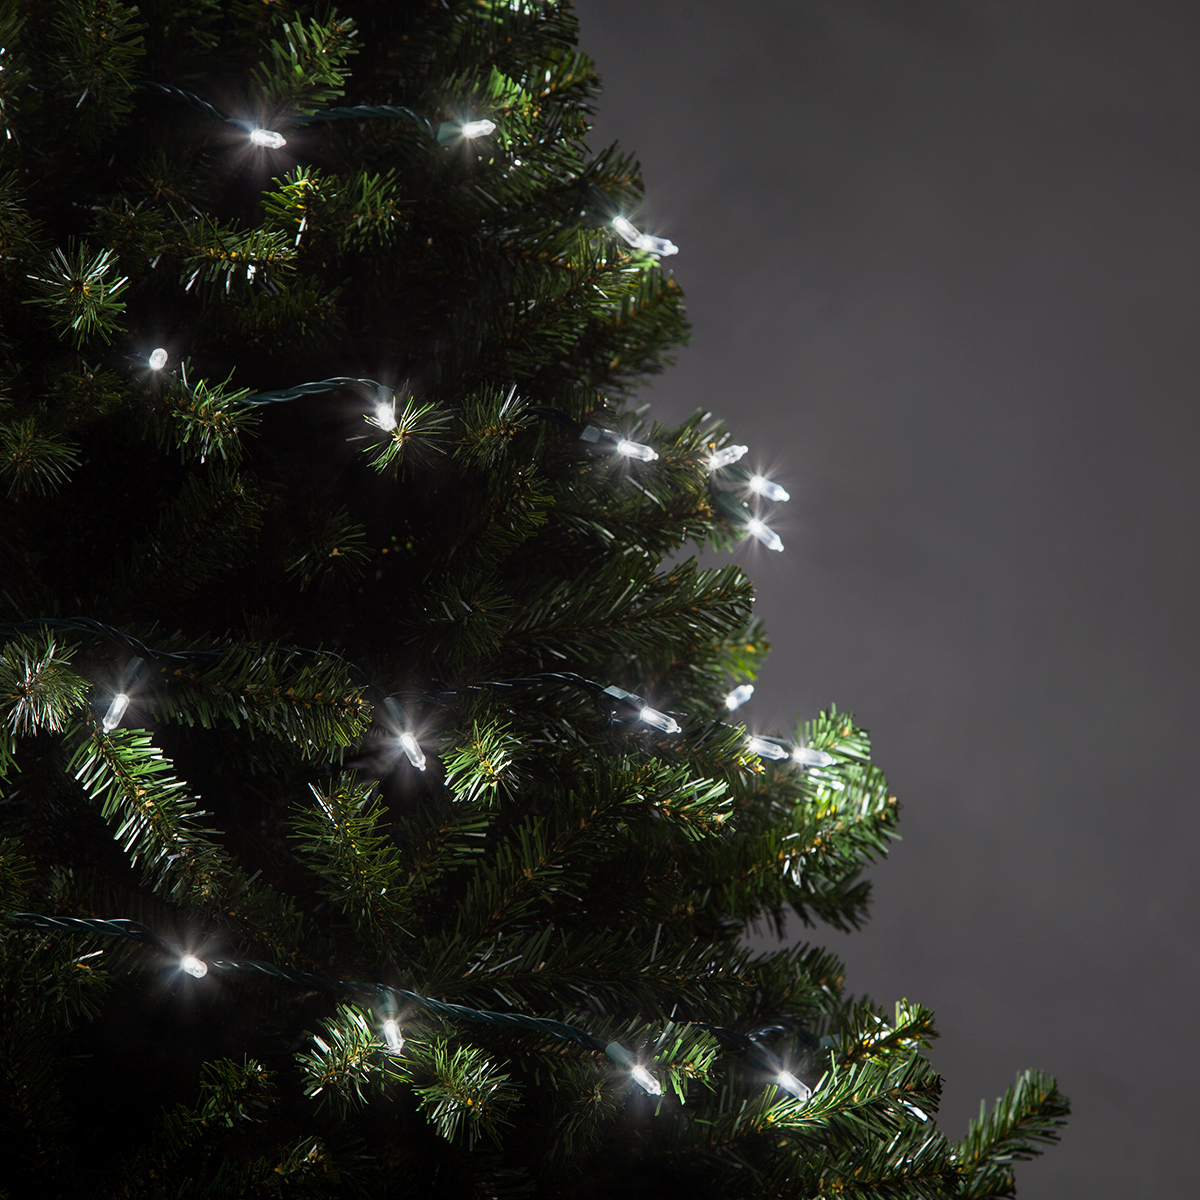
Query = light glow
x=392 y=1035
x=739 y=696
x=659 y=720
x=768 y=488
x=412 y=748
x=636 y=450
x=807 y=757
x=764 y=533
x=766 y=749
x=725 y=457
x=197 y=968
x=474 y=129
x=158 y=359
x=268 y=138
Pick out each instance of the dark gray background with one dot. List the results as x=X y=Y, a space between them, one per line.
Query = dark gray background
x=941 y=259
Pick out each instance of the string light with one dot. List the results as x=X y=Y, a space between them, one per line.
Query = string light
x=636 y=450
x=725 y=457
x=620 y=445
x=385 y=415
x=474 y=129
x=786 y=1080
x=624 y=1058
x=807 y=757
x=268 y=138
x=116 y=710
x=197 y=968
x=643 y=241
x=412 y=748
x=765 y=748
x=767 y=488
x=659 y=720
x=739 y=696
x=764 y=533
x=158 y=359
x=392 y=1036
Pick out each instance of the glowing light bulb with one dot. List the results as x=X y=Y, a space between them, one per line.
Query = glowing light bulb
x=158 y=359
x=739 y=696
x=268 y=138
x=659 y=720
x=636 y=450
x=392 y=1035
x=812 y=758
x=412 y=748
x=642 y=1076
x=789 y=1083
x=474 y=129
x=725 y=457
x=643 y=241
x=116 y=710
x=385 y=415
x=765 y=487
x=766 y=749
x=197 y=968
x=764 y=533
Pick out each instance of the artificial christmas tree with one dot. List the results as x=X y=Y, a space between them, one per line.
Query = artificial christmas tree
x=375 y=821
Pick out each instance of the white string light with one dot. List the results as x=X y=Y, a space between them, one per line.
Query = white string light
x=268 y=138
x=475 y=129
x=412 y=748
x=764 y=533
x=624 y=1058
x=789 y=1083
x=158 y=359
x=725 y=457
x=116 y=710
x=659 y=720
x=636 y=450
x=385 y=415
x=392 y=1036
x=739 y=696
x=643 y=241
x=768 y=488
x=197 y=968
x=807 y=757
x=767 y=749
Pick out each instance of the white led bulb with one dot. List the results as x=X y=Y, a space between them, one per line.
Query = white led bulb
x=474 y=129
x=765 y=487
x=765 y=749
x=197 y=968
x=739 y=696
x=392 y=1035
x=268 y=138
x=789 y=1083
x=385 y=415
x=659 y=720
x=412 y=748
x=764 y=533
x=157 y=359
x=636 y=450
x=643 y=241
x=725 y=457
x=116 y=710
x=648 y=1082
x=812 y=758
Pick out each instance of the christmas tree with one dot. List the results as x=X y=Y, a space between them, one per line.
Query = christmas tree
x=375 y=818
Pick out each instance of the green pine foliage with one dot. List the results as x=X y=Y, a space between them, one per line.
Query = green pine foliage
x=364 y=767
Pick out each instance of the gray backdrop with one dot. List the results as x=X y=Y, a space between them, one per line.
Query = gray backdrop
x=942 y=264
